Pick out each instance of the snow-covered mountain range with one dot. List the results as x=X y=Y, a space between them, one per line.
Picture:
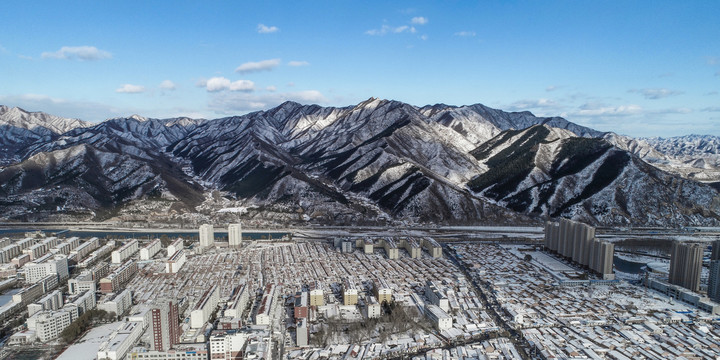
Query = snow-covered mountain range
x=379 y=159
x=19 y=128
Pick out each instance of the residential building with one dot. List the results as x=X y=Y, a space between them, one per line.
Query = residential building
x=227 y=345
x=204 y=307
x=302 y=302
x=382 y=291
x=714 y=276
x=207 y=235
x=686 y=265
x=118 y=277
x=81 y=283
x=164 y=325
x=57 y=266
x=124 y=252
x=265 y=312
x=373 y=308
x=51 y=301
x=432 y=247
x=117 y=303
x=436 y=295
x=350 y=292
x=438 y=317
x=576 y=241
x=235 y=235
x=49 y=324
x=302 y=334
x=175 y=246
x=238 y=302
x=147 y=252
x=120 y=341
x=175 y=262
x=317 y=294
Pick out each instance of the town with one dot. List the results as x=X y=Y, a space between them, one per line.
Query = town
x=386 y=294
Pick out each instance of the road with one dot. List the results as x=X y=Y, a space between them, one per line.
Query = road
x=491 y=305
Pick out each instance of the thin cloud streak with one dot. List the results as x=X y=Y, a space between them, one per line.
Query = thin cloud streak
x=83 y=53
x=255 y=66
x=130 y=89
x=655 y=94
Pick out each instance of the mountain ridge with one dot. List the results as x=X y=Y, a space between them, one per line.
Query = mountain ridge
x=379 y=159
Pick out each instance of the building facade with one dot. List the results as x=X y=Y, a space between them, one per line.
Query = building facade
x=164 y=325
x=147 y=252
x=207 y=235
x=685 y=265
x=235 y=235
x=124 y=252
x=713 y=291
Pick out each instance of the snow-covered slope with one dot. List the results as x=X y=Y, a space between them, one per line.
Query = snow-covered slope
x=19 y=128
x=479 y=123
x=135 y=136
x=545 y=171
x=22 y=119
x=379 y=159
x=695 y=157
x=81 y=179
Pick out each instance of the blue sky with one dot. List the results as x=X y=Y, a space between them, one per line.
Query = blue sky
x=640 y=68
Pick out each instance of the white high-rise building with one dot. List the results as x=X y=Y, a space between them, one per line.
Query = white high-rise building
x=207 y=235
x=235 y=235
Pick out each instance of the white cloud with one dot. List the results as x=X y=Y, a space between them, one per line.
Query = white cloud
x=386 y=29
x=419 y=20
x=298 y=63
x=551 y=88
x=262 y=29
x=524 y=105
x=465 y=33
x=654 y=94
x=271 y=88
x=232 y=103
x=255 y=66
x=216 y=84
x=130 y=89
x=682 y=110
x=602 y=110
x=711 y=109
x=168 y=85
x=77 y=52
x=423 y=37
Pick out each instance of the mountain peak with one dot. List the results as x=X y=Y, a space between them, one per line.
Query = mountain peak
x=372 y=102
x=33 y=121
x=138 y=118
